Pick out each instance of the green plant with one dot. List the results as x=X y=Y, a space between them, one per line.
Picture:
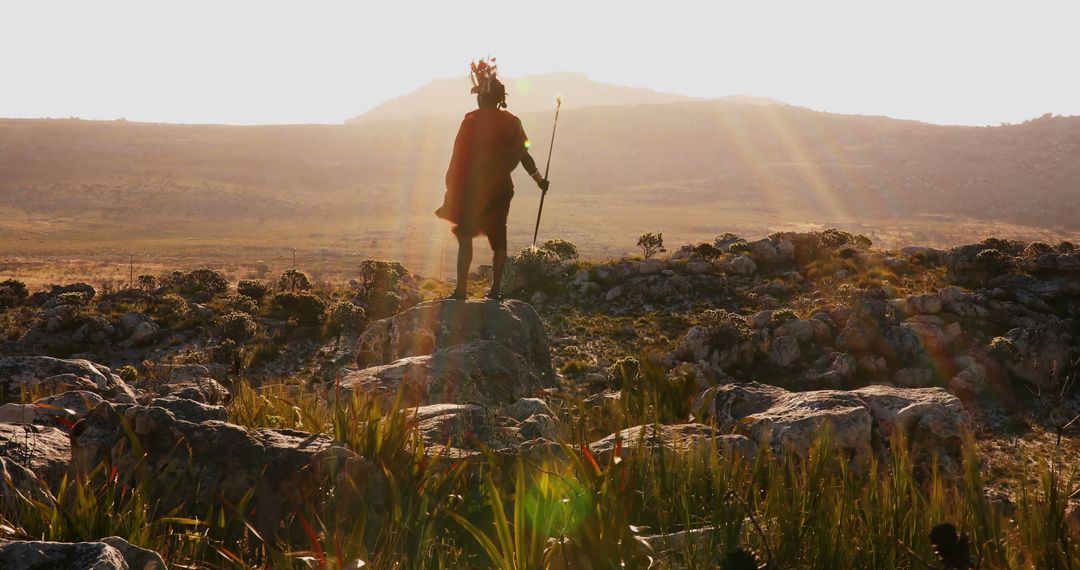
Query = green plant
x=651 y=244
x=12 y=293
x=346 y=315
x=303 y=308
x=294 y=281
x=238 y=327
x=253 y=288
x=725 y=328
x=563 y=250
x=146 y=282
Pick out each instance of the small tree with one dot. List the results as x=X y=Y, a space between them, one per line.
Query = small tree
x=254 y=288
x=238 y=327
x=147 y=282
x=563 y=250
x=12 y=292
x=294 y=280
x=651 y=244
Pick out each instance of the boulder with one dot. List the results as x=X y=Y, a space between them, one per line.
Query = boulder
x=1042 y=353
x=436 y=325
x=784 y=351
x=913 y=377
x=34 y=555
x=94 y=330
x=191 y=410
x=43 y=374
x=924 y=304
x=680 y=439
x=185 y=372
x=933 y=421
x=742 y=265
x=44 y=451
x=60 y=411
x=195 y=465
x=862 y=421
x=461 y=427
x=482 y=372
x=205 y=390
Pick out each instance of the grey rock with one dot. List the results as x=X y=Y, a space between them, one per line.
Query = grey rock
x=679 y=438
x=212 y=461
x=784 y=351
x=34 y=555
x=482 y=371
x=35 y=374
x=436 y=325
x=62 y=410
x=43 y=450
x=191 y=410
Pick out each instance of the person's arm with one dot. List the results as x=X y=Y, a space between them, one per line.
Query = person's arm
x=530 y=167
x=527 y=160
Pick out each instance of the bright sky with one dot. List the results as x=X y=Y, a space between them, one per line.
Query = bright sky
x=262 y=61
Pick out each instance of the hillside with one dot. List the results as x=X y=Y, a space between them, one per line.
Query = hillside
x=443 y=98
x=691 y=169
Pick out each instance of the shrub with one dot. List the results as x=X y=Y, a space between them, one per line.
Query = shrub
x=739 y=247
x=725 y=328
x=625 y=371
x=225 y=352
x=535 y=268
x=706 y=251
x=146 y=282
x=243 y=303
x=129 y=374
x=253 y=288
x=1066 y=247
x=303 y=308
x=205 y=281
x=69 y=298
x=293 y=280
x=1037 y=248
x=651 y=244
x=238 y=327
x=563 y=250
x=346 y=315
x=994 y=261
x=12 y=293
x=171 y=304
x=726 y=238
x=377 y=276
x=1001 y=348
x=781 y=316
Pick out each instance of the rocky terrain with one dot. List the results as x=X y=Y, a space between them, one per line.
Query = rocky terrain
x=647 y=412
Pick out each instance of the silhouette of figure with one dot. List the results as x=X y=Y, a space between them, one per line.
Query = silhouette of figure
x=490 y=144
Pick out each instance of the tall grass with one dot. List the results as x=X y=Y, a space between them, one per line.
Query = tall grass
x=398 y=504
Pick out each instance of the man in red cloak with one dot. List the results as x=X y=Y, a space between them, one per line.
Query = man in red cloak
x=490 y=144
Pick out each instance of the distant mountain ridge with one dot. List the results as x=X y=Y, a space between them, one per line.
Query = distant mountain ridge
x=531 y=94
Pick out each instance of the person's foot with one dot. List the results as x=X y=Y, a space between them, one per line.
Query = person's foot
x=494 y=295
x=456 y=296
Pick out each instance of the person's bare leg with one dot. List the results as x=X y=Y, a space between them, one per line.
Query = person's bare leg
x=498 y=263
x=464 y=260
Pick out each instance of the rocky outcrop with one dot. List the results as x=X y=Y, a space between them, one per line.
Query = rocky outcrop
x=678 y=439
x=486 y=352
x=62 y=410
x=44 y=451
x=482 y=372
x=26 y=555
x=194 y=465
x=111 y=553
x=436 y=325
x=43 y=374
x=860 y=421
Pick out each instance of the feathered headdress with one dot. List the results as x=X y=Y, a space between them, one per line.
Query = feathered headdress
x=484 y=76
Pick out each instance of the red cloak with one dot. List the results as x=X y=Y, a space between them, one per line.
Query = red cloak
x=489 y=145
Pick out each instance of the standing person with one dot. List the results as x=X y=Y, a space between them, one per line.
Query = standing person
x=490 y=144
